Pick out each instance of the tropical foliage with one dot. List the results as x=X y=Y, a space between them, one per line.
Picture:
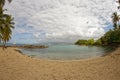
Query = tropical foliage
x=6 y=24
x=86 y=42
x=111 y=37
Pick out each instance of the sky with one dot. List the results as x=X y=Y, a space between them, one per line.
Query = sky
x=40 y=21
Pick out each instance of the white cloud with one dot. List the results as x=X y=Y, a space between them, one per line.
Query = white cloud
x=55 y=20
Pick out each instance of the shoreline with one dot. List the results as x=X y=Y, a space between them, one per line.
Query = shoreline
x=16 y=66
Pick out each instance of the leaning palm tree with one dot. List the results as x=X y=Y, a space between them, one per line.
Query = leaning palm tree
x=115 y=19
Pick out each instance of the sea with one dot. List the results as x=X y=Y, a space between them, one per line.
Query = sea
x=68 y=52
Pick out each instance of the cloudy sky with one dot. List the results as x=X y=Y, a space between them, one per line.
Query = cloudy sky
x=38 y=21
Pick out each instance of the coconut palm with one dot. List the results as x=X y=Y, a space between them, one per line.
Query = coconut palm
x=6 y=24
x=115 y=19
x=6 y=27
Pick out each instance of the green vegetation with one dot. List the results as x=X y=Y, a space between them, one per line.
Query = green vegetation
x=85 y=42
x=6 y=24
x=89 y=42
x=110 y=37
x=98 y=42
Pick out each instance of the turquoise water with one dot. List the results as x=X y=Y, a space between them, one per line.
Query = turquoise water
x=67 y=52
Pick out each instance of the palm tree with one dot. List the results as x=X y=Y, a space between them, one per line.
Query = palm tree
x=6 y=24
x=115 y=19
x=6 y=27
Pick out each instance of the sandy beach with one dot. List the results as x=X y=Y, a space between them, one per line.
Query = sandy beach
x=15 y=66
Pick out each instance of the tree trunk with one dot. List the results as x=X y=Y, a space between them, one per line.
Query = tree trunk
x=4 y=45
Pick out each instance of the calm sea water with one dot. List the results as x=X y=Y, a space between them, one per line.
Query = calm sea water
x=68 y=52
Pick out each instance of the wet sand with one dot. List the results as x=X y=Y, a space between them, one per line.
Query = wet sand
x=16 y=66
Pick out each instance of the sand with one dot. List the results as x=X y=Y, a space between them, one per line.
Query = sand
x=15 y=66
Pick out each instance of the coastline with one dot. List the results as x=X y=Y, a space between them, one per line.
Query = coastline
x=16 y=66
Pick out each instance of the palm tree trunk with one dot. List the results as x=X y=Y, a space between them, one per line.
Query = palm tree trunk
x=4 y=46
